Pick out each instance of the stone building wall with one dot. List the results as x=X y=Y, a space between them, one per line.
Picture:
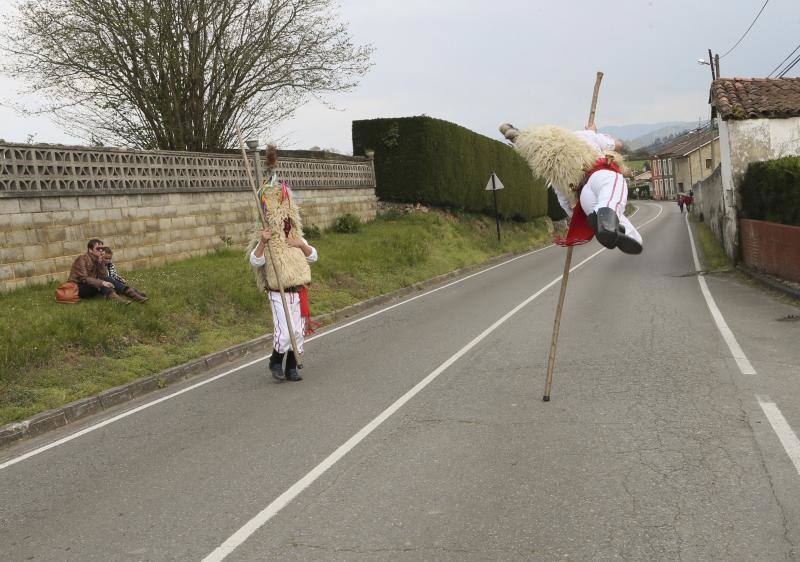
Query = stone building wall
x=151 y=207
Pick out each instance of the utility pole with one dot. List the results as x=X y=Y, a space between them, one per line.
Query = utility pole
x=711 y=64
x=716 y=63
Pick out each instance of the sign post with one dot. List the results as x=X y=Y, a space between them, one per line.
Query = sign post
x=493 y=185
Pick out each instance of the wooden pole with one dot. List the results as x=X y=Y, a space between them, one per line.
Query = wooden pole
x=551 y=359
x=278 y=275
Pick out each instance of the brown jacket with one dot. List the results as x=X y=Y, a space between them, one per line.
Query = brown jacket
x=86 y=269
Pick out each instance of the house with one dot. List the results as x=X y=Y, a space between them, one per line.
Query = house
x=759 y=119
x=663 y=178
x=696 y=158
x=683 y=162
x=640 y=187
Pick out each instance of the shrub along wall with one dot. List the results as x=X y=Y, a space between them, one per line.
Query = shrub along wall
x=770 y=191
x=427 y=160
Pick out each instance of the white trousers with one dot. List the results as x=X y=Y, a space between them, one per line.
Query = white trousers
x=281 y=340
x=608 y=189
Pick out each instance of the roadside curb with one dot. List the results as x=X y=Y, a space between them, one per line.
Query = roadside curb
x=771 y=282
x=79 y=409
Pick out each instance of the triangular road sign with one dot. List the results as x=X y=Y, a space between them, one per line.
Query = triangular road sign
x=497 y=183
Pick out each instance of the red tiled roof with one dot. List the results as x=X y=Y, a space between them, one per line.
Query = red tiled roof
x=754 y=98
x=688 y=142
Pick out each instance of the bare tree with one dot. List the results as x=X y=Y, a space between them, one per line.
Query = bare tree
x=178 y=74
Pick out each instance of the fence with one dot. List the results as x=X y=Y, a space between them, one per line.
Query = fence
x=151 y=206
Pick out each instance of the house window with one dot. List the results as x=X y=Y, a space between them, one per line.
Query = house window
x=708 y=163
x=669 y=166
x=680 y=186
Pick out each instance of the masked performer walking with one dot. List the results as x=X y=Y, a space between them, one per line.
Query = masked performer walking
x=283 y=238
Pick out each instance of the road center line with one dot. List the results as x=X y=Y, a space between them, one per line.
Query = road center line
x=736 y=351
x=247 y=530
x=138 y=409
x=283 y=500
x=788 y=438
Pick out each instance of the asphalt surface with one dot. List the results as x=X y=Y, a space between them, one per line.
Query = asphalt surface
x=654 y=446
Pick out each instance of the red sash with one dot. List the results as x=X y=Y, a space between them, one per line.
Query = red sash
x=579 y=230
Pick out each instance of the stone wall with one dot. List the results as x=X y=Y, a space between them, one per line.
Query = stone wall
x=151 y=207
x=708 y=204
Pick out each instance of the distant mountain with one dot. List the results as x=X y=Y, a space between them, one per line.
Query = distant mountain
x=640 y=135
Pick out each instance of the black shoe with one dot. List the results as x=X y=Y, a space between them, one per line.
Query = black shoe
x=628 y=245
x=293 y=375
x=277 y=371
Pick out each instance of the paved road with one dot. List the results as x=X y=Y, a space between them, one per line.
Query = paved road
x=419 y=432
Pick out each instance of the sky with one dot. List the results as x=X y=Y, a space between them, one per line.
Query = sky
x=478 y=64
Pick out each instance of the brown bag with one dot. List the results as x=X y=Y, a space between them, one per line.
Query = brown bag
x=67 y=293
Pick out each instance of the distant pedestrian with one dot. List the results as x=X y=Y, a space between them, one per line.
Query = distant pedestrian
x=680 y=202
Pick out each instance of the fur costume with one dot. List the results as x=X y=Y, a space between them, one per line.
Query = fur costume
x=574 y=164
x=558 y=156
x=283 y=217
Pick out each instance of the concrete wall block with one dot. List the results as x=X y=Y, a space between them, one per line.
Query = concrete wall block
x=42 y=219
x=44 y=267
x=30 y=205
x=64 y=263
x=97 y=215
x=73 y=247
x=155 y=199
x=68 y=203
x=55 y=234
x=12 y=254
x=151 y=226
x=21 y=220
x=164 y=224
x=105 y=201
x=151 y=238
x=53 y=249
x=6 y=272
x=9 y=206
x=87 y=202
x=114 y=214
x=51 y=203
x=137 y=227
x=120 y=201
x=23 y=269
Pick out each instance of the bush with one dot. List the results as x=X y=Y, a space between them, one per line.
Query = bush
x=347 y=224
x=312 y=232
x=431 y=161
x=771 y=191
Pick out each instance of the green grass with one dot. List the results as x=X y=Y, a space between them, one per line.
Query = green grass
x=52 y=354
x=713 y=255
x=637 y=165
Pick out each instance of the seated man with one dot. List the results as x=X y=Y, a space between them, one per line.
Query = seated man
x=90 y=274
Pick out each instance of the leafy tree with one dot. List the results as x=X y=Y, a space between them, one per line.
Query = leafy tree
x=179 y=74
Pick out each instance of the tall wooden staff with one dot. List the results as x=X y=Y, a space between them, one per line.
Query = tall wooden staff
x=278 y=276
x=551 y=359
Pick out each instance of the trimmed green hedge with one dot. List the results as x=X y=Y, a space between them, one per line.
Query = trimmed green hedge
x=427 y=160
x=771 y=191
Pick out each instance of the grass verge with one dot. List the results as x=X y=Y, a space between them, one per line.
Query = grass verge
x=52 y=354
x=712 y=254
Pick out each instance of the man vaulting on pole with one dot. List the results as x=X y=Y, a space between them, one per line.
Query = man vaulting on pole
x=582 y=166
x=587 y=176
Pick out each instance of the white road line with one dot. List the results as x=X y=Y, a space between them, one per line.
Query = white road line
x=138 y=409
x=736 y=351
x=247 y=530
x=281 y=501
x=788 y=438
